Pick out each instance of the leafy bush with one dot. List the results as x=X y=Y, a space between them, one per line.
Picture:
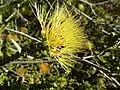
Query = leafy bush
x=43 y=46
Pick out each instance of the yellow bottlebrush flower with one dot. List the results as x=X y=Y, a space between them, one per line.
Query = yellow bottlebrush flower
x=63 y=36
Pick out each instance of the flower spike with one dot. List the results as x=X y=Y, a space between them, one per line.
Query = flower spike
x=63 y=37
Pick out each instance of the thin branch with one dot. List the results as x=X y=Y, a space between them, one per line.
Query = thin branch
x=105 y=75
x=105 y=32
x=49 y=4
x=115 y=81
x=54 y=60
x=10 y=16
x=31 y=4
x=7 y=70
x=110 y=25
x=18 y=32
x=112 y=79
x=33 y=62
x=88 y=57
x=94 y=65
x=84 y=59
x=21 y=16
x=105 y=2
x=95 y=4
x=91 y=6
x=84 y=1
x=80 y=12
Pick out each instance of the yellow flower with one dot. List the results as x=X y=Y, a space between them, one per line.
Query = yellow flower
x=63 y=36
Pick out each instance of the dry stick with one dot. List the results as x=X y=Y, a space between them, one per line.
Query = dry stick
x=112 y=79
x=101 y=3
x=110 y=25
x=80 y=12
x=85 y=59
x=7 y=70
x=33 y=62
x=18 y=32
x=94 y=65
x=49 y=4
x=91 y=6
x=54 y=60
x=88 y=17
x=21 y=16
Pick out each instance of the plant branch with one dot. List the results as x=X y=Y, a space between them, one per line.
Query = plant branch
x=21 y=16
x=112 y=79
x=94 y=65
x=32 y=62
x=110 y=25
x=18 y=32
x=91 y=6
x=49 y=4
x=80 y=12
x=101 y=3
x=54 y=60
x=7 y=70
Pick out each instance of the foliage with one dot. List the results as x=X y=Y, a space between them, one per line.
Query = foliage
x=27 y=42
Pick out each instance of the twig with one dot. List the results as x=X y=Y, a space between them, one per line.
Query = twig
x=80 y=12
x=7 y=70
x=91 y=6
x=80 y=60
x=112 y=79
x=105 y=75
x=84 y=1
x=54 y=60
x=85 y=59
x=88 y=57
x=51 y=61
x=49 y=4
x=101 y=3
x=110 y=25
x=10 y=16
x=21 y=16
x=33 y=62
x=16 y=45
x=15 y=31
x=94 y=65
x=105 y=32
